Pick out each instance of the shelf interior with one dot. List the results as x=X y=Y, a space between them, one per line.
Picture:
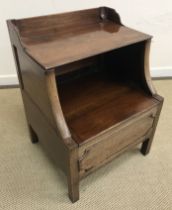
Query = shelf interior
x=94 y=103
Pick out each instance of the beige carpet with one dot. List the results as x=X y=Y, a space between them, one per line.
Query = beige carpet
x=28 y=179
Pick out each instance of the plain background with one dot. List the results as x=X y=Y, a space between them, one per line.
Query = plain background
x=151 y=16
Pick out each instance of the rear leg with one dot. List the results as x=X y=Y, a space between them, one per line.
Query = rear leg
x=33 y=135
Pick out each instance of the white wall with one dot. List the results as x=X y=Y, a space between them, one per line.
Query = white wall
x=153 y=17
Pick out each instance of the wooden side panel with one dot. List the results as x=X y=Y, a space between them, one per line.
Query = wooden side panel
x=64 y=22
x=146 y=146
x=147 y=76
x=34 y=81
x=47 y=135
x=60 y=22
x=66 y=157
x=40 y=87
x=44 y=115
x=109 y=144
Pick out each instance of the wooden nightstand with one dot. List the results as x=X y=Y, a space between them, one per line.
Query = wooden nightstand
x=86 y=88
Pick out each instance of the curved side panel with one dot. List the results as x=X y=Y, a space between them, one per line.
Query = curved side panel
x=147 y=69
x=55 y=105
x=111 y=14
x=39 y=86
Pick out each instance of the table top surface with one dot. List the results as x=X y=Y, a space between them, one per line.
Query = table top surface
x=53 y=41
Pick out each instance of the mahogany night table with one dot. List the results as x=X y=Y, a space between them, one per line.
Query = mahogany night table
x=86 y=88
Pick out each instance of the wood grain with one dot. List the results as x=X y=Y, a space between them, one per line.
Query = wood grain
x=94 y=103
x=114 y=140
x=53 y=40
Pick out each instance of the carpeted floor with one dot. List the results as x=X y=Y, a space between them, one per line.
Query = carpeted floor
x=29 y=180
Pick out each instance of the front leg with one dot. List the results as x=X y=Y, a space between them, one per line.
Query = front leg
x=73 y=175
x=146 y=145
x=33 y=135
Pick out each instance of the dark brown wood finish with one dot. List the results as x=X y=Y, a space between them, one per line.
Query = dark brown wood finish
x=86 y=88
x=93 y=105
x=146 y=146
x=54 y=42
x=113 y=140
